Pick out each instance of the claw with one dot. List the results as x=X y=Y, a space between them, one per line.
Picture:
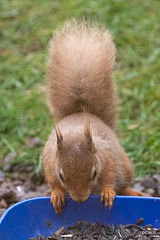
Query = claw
x=108 y=196
x=58 y=200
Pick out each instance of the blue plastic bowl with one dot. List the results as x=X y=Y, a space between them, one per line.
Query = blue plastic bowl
x=28 y=218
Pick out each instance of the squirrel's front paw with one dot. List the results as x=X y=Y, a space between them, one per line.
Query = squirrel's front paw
x=108 y=195
x=58 y=200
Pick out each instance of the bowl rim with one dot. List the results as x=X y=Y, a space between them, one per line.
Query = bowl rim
x=27 y=201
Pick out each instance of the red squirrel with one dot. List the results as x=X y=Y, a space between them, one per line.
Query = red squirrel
x=83 y=155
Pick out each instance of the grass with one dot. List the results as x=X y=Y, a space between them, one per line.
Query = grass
x=26 y=27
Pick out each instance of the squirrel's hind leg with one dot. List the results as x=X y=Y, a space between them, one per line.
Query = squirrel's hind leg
x=128 y=191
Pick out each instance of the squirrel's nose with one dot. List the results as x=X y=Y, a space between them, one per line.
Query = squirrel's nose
x=79 y=199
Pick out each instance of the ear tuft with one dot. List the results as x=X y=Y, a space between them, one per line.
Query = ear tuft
x=59 y=138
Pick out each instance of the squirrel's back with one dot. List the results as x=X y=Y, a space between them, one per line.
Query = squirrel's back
x=80 y=65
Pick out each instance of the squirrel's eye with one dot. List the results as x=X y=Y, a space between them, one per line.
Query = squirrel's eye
x=94 y=174
x=61 y=177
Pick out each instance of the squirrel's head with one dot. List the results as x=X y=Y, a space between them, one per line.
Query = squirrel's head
x=78 y=166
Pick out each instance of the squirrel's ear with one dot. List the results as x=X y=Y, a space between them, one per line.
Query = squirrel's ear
x=59 y=138
x=88 y=135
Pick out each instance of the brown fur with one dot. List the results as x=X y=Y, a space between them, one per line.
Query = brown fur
x=81 y=60
x=82 y=155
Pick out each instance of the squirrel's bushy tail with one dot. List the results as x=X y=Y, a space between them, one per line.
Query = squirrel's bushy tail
x=80 y=64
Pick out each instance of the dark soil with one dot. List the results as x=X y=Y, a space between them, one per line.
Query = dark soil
x=86 y=231
x=21 y=184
